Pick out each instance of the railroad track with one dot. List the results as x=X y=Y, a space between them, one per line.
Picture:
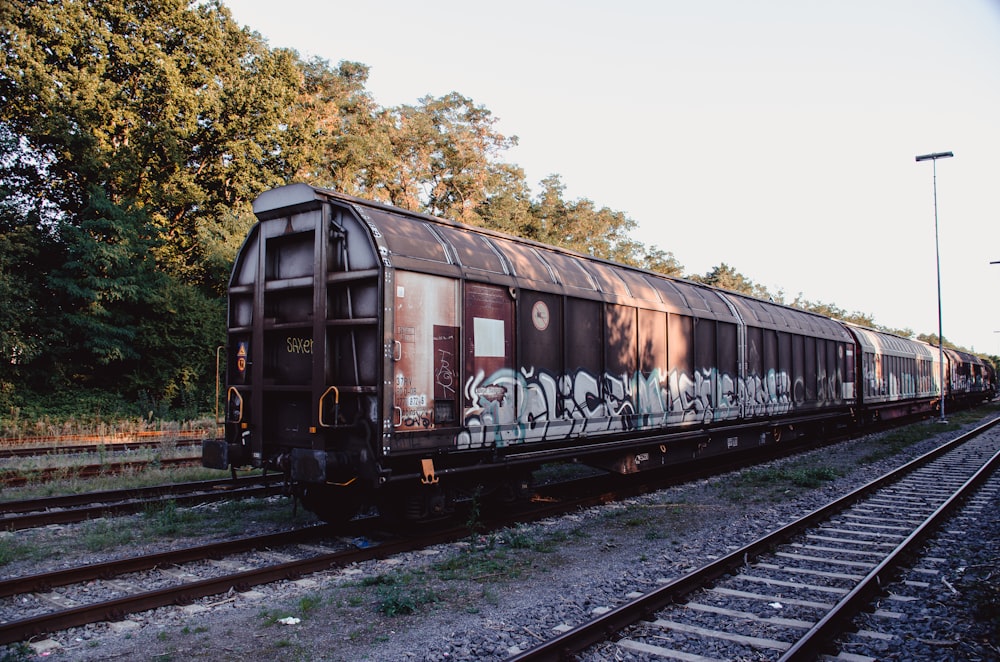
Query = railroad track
x=30 y=513
x=14 y=448
x=18 y=478
x=50 y=602
x=177 y=574
x=179 y=585
x=789 y=594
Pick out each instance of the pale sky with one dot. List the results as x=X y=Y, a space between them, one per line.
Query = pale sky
x=776 y=136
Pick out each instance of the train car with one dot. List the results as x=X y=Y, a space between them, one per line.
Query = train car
x=971 y=380
x=899 y=376
x=380 y=357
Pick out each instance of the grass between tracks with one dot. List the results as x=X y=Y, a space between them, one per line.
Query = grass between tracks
x=788 y=478
x=142 y=476
x=160 y=522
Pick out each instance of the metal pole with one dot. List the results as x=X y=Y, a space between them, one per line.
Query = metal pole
x=218 y=351
x=937 y=257
x=937 y=254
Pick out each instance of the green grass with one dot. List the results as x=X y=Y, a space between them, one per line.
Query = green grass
x=161 y=521
x=397 y=593
x=19 y=652
x=106 y=534
x=166 y=520
x=401 y=600
x=768 y=484
x=12 y=550
x=310 y=603
x=506 y=554
x=128 y=480
x=894 y=441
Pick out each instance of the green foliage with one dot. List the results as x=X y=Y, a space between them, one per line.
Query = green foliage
x=11 y=550
x=727 y=278
x=309 y=603
x=134 y=137
x=400 y=593
x=401 y=599
x=19 y=652
x=103 y=284
x=775 y=483
x=496 y=557
x=166 y=519
x=106 y=534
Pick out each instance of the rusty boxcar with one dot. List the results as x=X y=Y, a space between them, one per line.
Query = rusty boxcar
x=378 y=356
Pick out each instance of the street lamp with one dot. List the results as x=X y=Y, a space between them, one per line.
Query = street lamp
x=937 y=254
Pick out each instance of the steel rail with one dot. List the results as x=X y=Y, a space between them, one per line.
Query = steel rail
x=80 y=508
x=18 y=478
x=600 y=628
x=181 y=594
x=10 y=449
x=574 y=496
x=112 y=610
x=44 y=581
x=129 y=493
x=813 y=641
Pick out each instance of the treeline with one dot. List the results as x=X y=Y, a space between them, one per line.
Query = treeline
x=134 y=136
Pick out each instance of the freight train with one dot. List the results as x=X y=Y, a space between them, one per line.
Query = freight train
x=382 y=358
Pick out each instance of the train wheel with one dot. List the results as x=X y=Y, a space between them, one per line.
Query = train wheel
x=331 y=503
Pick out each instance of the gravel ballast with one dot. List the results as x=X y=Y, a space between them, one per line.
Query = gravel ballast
x=494 y=595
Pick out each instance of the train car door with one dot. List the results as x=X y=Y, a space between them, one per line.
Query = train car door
x=492 y=385
x=425 y=387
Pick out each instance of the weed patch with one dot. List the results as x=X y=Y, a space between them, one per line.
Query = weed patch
x=401 y=593
x=309 y=603
x=501 y=556
x=12 y=550
x=19 y=652
x=106 y=534
x=775 y=483
x=166 y=519
x=401 y=600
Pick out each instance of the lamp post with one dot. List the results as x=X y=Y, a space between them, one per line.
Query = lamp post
x=937 y=254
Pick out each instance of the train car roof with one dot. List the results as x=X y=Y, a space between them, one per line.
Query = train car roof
x=883 y=342
x=420 y=242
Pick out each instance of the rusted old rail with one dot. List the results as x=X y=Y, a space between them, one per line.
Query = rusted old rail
x=557 y=499
x=67 y=509
x=82 y=443
x=16 y=478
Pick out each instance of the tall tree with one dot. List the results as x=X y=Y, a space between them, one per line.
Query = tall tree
x=659 y=260
x=447 y=155
x=133 y=136
x=727 y=278
x=581 y=226
x=104 y=286
x=346 y=134
x=171 y=108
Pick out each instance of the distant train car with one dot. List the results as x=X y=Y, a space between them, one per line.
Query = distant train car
x=383 y=357
x=970 y=378
x=896 y=370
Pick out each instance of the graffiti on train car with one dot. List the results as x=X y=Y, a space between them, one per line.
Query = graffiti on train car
x=530 y=405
